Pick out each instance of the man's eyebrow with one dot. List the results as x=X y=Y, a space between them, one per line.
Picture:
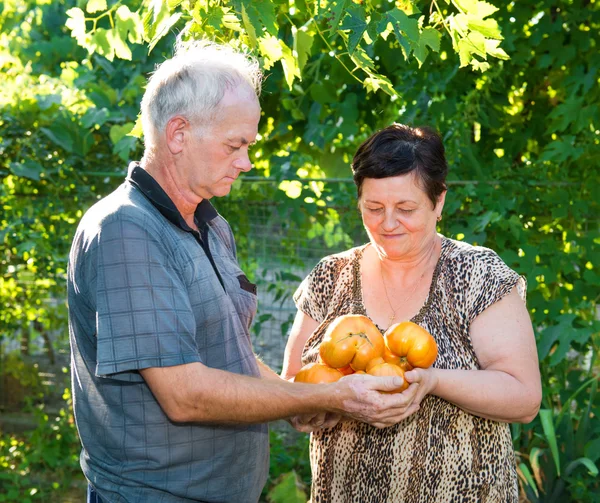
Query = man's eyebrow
x=241 y=140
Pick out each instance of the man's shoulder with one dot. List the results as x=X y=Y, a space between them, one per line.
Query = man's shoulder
x=124 y=204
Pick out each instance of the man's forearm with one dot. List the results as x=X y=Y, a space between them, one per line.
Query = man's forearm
x=196 y=393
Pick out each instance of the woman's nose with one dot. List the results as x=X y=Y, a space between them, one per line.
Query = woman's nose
x=389 y=221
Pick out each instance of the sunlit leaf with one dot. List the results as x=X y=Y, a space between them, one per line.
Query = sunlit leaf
x=95 y=6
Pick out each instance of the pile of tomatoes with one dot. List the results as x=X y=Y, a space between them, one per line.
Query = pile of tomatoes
x=353 y=344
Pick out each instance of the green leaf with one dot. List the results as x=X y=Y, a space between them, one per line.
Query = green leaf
x=482 y=66
x=478 y=43
x=118 y=132
x=374 y=23
x=172 y=4
x=60 y=136
x=95 y=117
x=491 y=47
x=466 y=5
x=271 y=50
x=362 y=60
x=487 y=27
x=266 y=13
x=119 y=44
x=406 y=30
x=95 y=6
x=464 y=52
x=250 y=31
x=335 y=12
x=551 y=334
x=124 y=147
x=138 y=130
x=27 y=169
x=548 y=427
x=100 y=43
x=485 y=9
x=376 y=81
x=303 y=41
x=288 y=489
x=528 y=478
x=431 y=37
x=289 y=63
x=356 y=23
x=565 y=114
x=163 y=28
x=129 y=25
x=588 y=463
x=230 y=20
x=76 y=23
x=408 y=26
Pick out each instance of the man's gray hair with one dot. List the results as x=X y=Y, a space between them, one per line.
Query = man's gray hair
x=192 y=84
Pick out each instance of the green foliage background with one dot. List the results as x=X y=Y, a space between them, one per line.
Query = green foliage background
x=514 y=90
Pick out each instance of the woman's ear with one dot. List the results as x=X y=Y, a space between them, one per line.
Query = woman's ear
x=175 y=132
x=440 y=204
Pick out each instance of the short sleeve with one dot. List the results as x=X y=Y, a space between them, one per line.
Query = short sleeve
x=314 y=293
x=490 y=279
x=144 y=318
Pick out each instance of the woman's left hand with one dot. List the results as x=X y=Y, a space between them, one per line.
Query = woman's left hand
x=425 y=380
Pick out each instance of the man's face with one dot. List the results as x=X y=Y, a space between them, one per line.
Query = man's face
x=216 y=159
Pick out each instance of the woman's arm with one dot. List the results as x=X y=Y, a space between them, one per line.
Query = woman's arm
x=508 y=386
x=302 y=329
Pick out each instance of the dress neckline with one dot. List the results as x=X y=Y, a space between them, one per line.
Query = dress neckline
x=358 y=305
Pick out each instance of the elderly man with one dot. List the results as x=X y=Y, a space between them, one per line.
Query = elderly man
x=170 y=401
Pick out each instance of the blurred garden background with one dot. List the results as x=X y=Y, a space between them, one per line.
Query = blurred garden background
x=512 y=87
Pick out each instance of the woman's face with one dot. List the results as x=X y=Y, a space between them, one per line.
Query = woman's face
x=398 y=215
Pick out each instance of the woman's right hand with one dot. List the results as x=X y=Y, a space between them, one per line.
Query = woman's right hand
x=360 y=397
x=319 y=421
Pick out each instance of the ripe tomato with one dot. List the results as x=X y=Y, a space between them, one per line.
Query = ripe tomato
x=347 y=370
x=412 y=343
x=390 y=357
x=317 y=373
x=373 y=362
x=352 y=340
x=388 y=369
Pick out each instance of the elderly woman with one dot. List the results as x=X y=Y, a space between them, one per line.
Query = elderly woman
x=455 y=442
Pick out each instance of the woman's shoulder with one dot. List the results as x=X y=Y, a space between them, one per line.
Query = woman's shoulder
x=330 y=266
x=462 y=252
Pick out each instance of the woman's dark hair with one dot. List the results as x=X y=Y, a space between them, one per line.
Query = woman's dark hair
x=398 y=150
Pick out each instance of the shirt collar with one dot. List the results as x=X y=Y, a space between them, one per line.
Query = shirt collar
x=138 y=176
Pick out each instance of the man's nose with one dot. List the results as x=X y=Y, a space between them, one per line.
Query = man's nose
x=243 y=162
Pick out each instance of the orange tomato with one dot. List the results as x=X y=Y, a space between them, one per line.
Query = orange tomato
x=317 y=373
x=390 y=357
x=413 y=344
x=388 y=369
x=352 y=340
x=347 y=370
x=373 y=362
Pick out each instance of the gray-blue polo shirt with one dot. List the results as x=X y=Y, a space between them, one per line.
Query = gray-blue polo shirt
x=143 y=293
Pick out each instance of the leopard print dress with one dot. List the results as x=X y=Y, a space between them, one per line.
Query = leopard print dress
x=441 y=453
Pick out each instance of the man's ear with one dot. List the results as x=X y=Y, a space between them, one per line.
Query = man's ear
x=175 y=131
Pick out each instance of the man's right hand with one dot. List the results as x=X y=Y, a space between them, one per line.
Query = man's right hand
x=359 y=397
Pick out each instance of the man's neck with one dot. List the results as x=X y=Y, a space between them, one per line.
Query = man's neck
x=162 y=171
